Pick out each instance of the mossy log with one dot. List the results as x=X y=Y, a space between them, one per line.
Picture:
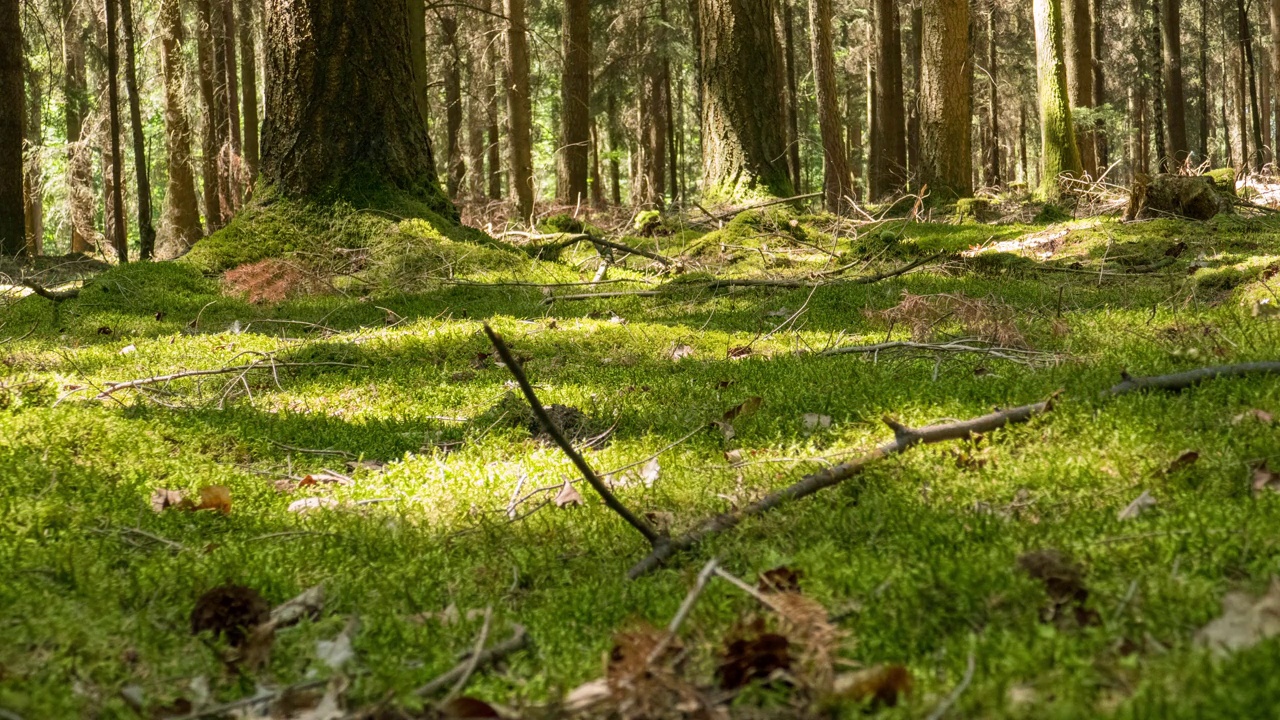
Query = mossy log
x=1196 y=197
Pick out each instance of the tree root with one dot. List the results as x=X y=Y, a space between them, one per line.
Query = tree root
x=904 y=438
x=1179 y=381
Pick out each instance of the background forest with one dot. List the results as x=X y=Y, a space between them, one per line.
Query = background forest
x=640 y=360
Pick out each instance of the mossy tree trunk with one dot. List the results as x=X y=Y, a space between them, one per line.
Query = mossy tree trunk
x=743 y=116
x=180 y=224
x=13 y=227
x=334 y=123
x=946 y=102
x=1175 y=121
x=1059 y=153
x=249 y=86
x=575 y=98
x=519 y=107
x=75 y=111
x=837 y=181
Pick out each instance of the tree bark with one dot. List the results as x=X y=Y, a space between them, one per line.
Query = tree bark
x=230 y=82
x=333 y=123
x=837 y=182
x=215 y=213
x=915 y=51
x=33 y=171
x=1098 y=21
x=946 y=101
x=416 y=16
x=519 y=108
x=490 y=91
x=793 y=100
x=1059 y=153
x=992 y=174
x=1249 y=69
x=1175 y=122
x=615 y=147
x=146 y=230
x=1078 y=45
x=249 y=87
x=744 y=136
x=13 y=228
x=180 y=227
x=889 y=146
x=575 y=98
x=1274 y=80
x=119 y=240
x=1203 y=89
x=76 y=110
x=457 y=167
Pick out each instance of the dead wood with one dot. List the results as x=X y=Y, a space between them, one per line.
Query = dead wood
x=903 y=439
x=113 y=388
x=611 y=500
x=567 y=240
x=1182 y=380
x=46 y=293
x=519 y=640
x=1017 y=355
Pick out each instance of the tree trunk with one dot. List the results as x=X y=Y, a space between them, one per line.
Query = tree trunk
x=210 y=139
x=1203 y=91
x=1059 y=153
x=1078 y=44
x=118 y=238
x=1022 y=144
x=1175 y=122
x=76 y=110
x=889 y=164
x=519 y=108
x=33 y=172
x=837 y=182
x=332 y=124
x=669 y=112
x=230 y=74
x=180 y=227
x=1249 y=69
x=249 y=87
x=991 y=170
x=13 y=227
x=916 y=52
x=575 y=98
x=946 y=100
x=490 y=91
x=1098 y=21
x=744 y=135
x=1274 y=80
x=146 y=231
x=793 y=100
x=476 y=116
x=615 y=147
x=1157 y=89
x=457 y=168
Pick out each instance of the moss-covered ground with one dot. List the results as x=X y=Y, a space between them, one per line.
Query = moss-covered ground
x=917 y=557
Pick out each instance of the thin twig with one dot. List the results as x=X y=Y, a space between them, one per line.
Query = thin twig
x=959 y=689
x=517 y=371
x=113 y=388
x=472 y=661
x=519 y=639
x=685 y=608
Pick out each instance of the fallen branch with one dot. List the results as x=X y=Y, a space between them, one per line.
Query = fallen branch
x=771 y=203
x=113 y=388
x=614 y=504
x=1017 y=355
x=54 y=295
x=568 y=240
x=518 y=640
x=903 y=439
x=1179 y=381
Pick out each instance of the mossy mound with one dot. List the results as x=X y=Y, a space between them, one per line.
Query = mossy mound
x=562 y=223
x=1224 y=179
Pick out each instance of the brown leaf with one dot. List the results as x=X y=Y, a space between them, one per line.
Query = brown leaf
x=745 y=408
x=1064 y=583
x=1261 y=416
x=1245 y=621
x=737 y=353
x=466 y=707
x=327 y=477
x=781 y=579
x=1264 y=478
x=726 y=429
x=162 y=500
x=1139 y=505
x=308 y=604
x=1184 y=461
x=255 y=651
x=629 y=659
x=568 y=495
x=481 y=360
x=751 y=654
x=682 y=351
x=104 y=330
x=882 y=685
x=231 y=611
x=215 y=497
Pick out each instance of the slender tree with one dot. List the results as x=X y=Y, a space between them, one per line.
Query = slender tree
x=33 y=171
x=946 y=100
x=837 y=182
x=75 y=113
x=744 y=136
x=249 y=85
x=991 y=164
x=180 y=226
x=146 y=230
x=889 y=145
x=519 y=108
x=1077 y=26
x=12 y=103
x=457 y=167
x=1248 y=69
x=1059 y=153
x=1274 y=80
x=118 y=238
x=792 y=98
x=215 y=212
x=1175 y=122
x=331 y=125
x=575 y=100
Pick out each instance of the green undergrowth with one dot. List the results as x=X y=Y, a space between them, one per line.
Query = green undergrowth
x=917 y=557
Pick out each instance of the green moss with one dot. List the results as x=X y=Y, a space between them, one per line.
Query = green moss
x=1224 y=179
x=1051 y=213
x=975 y=209
x=562 y=223
x=647 y=222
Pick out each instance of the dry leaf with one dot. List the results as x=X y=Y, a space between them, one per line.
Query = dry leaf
x=682 y=351
x=751 y=653
x=650 y=471
x=1137 y=507
x=231 y=611
x=311 y=504
x=338 y=652
x=737 y=353
x=587 y=695
x=1261 y=416
x=1264 y=478
x=1184 y=461
x=1245 y=621
x=164 y=499
x=726 y=429
x=466 y=707
x=215 y=497
x=882 y=685
x=128 y=349
x=814 y=421
x=327 y=477
x=781 y=579
x=309 y=604
x=1064 y=583
x=747 y=407
x=568 y=495
x=734 y=457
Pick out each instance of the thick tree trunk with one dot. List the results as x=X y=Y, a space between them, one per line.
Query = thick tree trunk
x=490 y=91
x=13 y=228
x=476 y=117
x=889 y=146
x=215 y=212
x=1274 y=79
x=1157 y=89
x=1059 y=153
x=915 y=51
x=119 y=240
x=991 y=160
x=249 y=87
x=837 y=182
x=1077 y=23
x=333 y=124
x=575 y=97
x=519 y=108
x=457 y=167
x=80 y=199
x=146 y=231
x=946 y=101
x=1098 y=16
x=744 y=136
x=1175 y=122
x=1249 y=69
x=180 y=227
x=1203 y=91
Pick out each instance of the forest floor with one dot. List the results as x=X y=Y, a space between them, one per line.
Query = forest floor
x=361 y=436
